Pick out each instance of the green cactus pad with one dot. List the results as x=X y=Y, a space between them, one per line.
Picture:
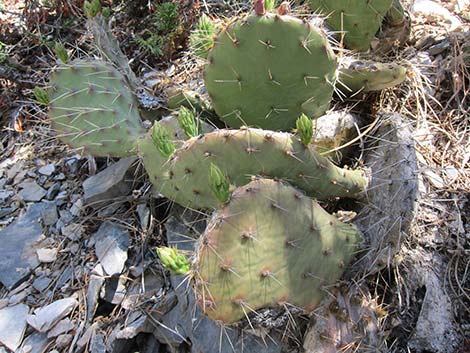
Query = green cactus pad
x=241 y=154
x=359 y=19
x=92 y=109
x=265 y=71
x=366 y=76
x=269 y=245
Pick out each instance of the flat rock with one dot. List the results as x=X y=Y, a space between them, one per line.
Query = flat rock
x=73 y=231
x=109 y=183
x=62 y=327
x=49 y=214
x=46 y=255
x=41 y=283
x=46 y=317
x=34 y=343
x=13 y=325
x=17 y=256
x=47 y=170
x=111 y=244
x=31 y=191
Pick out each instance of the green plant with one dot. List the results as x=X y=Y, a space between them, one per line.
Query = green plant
x=166 y=17
x=201 y=39
x=3 y=52
x=153 y=43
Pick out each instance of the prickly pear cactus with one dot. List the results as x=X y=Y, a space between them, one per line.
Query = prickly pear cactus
x=359 y=19
x=266 y=70
x=241 y=154
x=92 y=108
x=267 y=246
x=367 y=75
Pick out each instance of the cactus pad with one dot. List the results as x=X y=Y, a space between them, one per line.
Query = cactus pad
x=359 y=19
x=244 y=153
x=267 y=246
x=92 y=108
x=265 y=71
x=366 y=75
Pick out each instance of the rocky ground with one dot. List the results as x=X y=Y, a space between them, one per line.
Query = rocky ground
x=78 y=266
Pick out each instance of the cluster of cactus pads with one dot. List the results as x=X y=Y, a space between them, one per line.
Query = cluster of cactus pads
x=268 y=243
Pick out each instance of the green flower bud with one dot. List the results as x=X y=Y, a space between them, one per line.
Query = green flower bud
x=161 y=139
x=304 y=129
x=219 y=183
x=188 y=122
x=41 y=95
x=173 y=260
x=61 y=52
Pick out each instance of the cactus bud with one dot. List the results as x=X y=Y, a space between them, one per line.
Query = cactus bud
x=41 y=95
x=284 y=8
x=61 y=52
x=162 y=140
x=92 y=9
x=173 y=260
x=304 y=129
x=106 y=12
x=259 y=7
x=201 y=39
x=269 y=4
x=219 y=183
x=188 y=122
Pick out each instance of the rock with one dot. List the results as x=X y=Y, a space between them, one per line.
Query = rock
x=53 y=191
x=5 y=195
x=46 y=317
x=3 y=303
x=46 y=255
x=97 y=343
x=76 y=208
x=7 y=210
x=432 y=9
x=17 y=256
x=47 y=170
x=19 y=297
x=436 y=329
x=65 y=216
x=114 y=290
x=41 y=283
x=93 y=292
x=13 y=325
x=34 y=343
x=111 y=244
x=73 y=231
x=62 y=326
x=109 y=183
x=144 y=215
x=63 y=341
x=49 y=213
x=31 y=191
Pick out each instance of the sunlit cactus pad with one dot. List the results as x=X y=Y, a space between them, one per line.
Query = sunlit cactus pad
x=92 y=108
x=359 y=19
x=265 y=71
x=244 y=153
x=270 y=245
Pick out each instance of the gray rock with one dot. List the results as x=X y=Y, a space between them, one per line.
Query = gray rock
x=93 y=292
x=53 y=191
x=49 y=213
x=46 y=255
x=111 y=244
x=109 y=183
x=63 y=340
x=34 y=343
x=47 y=170
x=97 y=343
x=5 y=195
x=76 y=208
x=13 y=325
x=7 y=210
x=114 y=290
x=46 y=317
x=41 y=283
x=31 y=191
x=17 y=257
x=65 y=216
x=73 y=231
x=62 y=327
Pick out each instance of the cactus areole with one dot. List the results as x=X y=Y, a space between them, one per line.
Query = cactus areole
x=266 y=70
